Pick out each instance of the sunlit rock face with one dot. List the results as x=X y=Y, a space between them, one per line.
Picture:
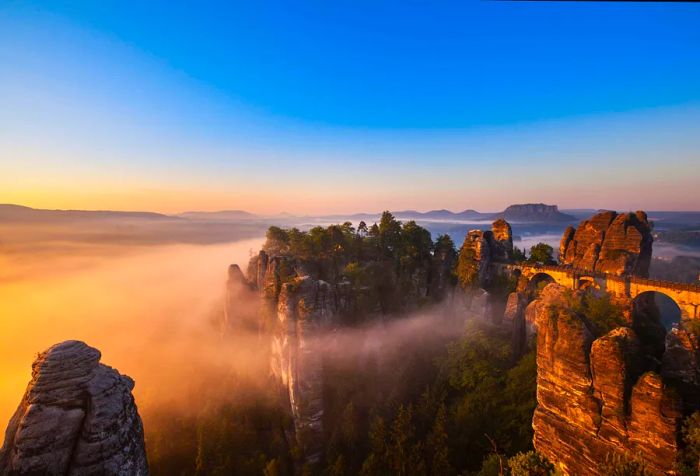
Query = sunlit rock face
x=597 y=396
x=609 y=242
x=77 y=417
x=483 y=248
x=503 y=240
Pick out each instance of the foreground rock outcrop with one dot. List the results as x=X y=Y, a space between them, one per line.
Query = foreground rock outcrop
x=598 y=396
x=610 y=243
x=77 y=417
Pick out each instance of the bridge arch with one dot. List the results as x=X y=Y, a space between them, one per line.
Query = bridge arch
x=669 y=311
x=538 y=281
x=654 y=313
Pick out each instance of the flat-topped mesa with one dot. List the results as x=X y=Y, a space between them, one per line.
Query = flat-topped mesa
x=609 y=242
x=535 y=212
x=77 y=417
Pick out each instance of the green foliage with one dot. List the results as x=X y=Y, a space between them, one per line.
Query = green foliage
x=689 y=459
x=624 y=465
x=438 y=461
x=518 y=254
x=488 y=395
x=467 y=269
x=692 y=326
x=389 y=265
x=599 y=310
x=542 y=253
x=530 y=463
x=493 y=465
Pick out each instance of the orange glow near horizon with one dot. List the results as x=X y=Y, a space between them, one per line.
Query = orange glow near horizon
x=149 y=310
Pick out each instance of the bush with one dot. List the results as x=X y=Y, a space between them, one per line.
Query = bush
x=689 y=459
x=599 y=310
x=531 y=463
x=624 y=465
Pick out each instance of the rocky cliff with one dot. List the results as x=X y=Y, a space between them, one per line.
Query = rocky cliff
x=610 y=243
x=308 y=284
x=306 y=307
x=77 y=417
x=599 y=396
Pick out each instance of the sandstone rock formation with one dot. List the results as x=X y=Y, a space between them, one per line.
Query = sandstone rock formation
x=482 y=248
x=610 y=243
x=597 y=396
x=305 y=294
x=514 y=316
x=305 y=308
x=77 y=417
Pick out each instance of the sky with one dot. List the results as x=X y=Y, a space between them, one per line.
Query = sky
x=348 y=106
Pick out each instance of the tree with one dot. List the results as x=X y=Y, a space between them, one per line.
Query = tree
x=436 y=446
x=467 y=268
x=542 y=253
x=518 y=254
x=689 y=461
x=277 y=240
x=389 y=233
x=362 y=229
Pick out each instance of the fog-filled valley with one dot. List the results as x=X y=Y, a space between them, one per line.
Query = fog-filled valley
x=403 y=365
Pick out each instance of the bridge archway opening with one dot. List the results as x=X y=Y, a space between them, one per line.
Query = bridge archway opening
x=538 y=282
x=653 y=315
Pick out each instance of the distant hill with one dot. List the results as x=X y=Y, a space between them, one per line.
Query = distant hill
x=224 y=215
x=535 y=213
x=441 y=215
x=19 y=213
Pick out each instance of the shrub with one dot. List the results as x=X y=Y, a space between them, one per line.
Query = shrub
x=624 y=465
x=689 y=459
x=531 y=463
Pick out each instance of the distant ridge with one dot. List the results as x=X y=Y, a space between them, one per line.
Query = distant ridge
x=441 y=215
x=9 y=212
x=221 y=215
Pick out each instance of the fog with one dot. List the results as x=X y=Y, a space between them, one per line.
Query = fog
x=154 y=312
x=149 y=310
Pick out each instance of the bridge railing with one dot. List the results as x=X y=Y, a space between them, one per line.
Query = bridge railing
x=665 y=284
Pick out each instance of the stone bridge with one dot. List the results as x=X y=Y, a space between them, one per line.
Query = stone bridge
x=686 y=296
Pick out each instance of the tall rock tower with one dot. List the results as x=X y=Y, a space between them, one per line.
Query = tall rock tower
x=77 y=417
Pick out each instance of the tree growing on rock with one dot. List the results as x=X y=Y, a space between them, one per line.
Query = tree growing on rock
x=542 y=253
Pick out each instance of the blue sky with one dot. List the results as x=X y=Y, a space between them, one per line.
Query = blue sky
x=341 y=106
